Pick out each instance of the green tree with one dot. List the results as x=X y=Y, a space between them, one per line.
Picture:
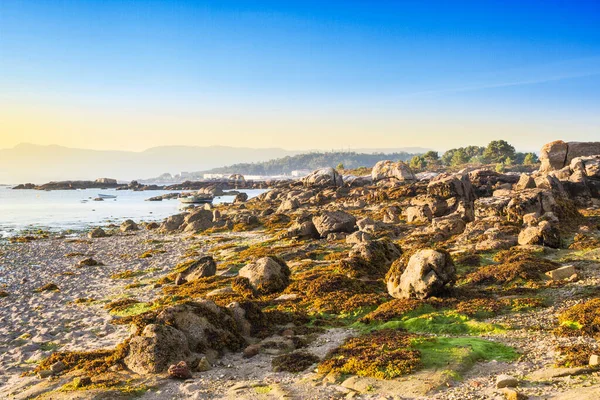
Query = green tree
x=530 y=159
x=500 y=167
x=447 y=156
x=498 y=150
x=418 y=163
x=459 y=157
x=431 y=156
x=340 y=167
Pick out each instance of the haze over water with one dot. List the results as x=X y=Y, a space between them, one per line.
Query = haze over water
x=64 y=209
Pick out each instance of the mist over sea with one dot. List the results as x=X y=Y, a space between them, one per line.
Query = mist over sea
x=61 y=210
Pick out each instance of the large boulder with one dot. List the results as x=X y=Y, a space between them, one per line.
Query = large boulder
x=97 y=233
x=333 y=222
x=392 y=171
x=155 y=348
x=288 y=205
x=267 y=274
x=556 y=155
x=425 y=274
x=303 y=230
x=198 y=220
x=323 y=177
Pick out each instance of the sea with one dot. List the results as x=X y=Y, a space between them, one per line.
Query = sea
x=23 y=211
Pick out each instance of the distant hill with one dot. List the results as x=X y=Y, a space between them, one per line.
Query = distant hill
x=311 y=161
x=40 y=164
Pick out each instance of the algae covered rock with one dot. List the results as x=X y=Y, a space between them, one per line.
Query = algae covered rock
x=333 y=222
x=156 y=348
x=129 y=226
x=97 y=233
x=201 y=268
x=425 y=274
x=267 y=274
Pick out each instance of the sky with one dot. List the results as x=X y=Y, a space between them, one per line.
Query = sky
x=129 y=75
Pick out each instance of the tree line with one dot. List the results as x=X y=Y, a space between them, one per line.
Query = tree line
x=498 y=152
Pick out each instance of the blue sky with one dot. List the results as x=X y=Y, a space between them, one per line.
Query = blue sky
x=299 y=74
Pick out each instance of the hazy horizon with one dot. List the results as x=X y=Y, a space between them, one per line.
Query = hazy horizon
x=133 y=75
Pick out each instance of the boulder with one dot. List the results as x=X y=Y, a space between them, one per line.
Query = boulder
x=172 y=223
x=323 y=177
x=525 y=182
x=425 y=274
x=556 y=155
x=97 y=233
x=198 y=220
x=128 y=226
x=334 y=221
x=358 y=237
x=448 y=225
x=156 y=348
x=304 y=230
x=544 y=234
x=446 y=186
x=201 y=268
x=288 y=205
x=392 y=171
x=267 y=274
x=418 y=214
x=240 y=198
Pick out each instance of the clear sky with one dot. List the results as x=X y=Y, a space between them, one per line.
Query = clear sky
x=118 y=74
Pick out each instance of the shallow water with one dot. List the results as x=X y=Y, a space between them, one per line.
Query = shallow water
x=61 y=210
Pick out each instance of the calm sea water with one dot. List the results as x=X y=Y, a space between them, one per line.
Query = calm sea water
x=61 y=210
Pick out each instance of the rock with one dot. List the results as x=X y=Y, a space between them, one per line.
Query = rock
x=81 y=382
x=240 y=198
x=525 y=182
x=88 y=262
x=448 y=225
x=58 y=367
x=561 y=273
x=198 y=220
x=426 y=274
x=251 y=350
x=594 y=360
x=155 y=348
x=201 y=268
x=334 y=221
x=180 y=371
x=333 y=237
x=557 y=155
x=180 y=279
x=392 y=171
x=511 y=394
x=446 y=186
x=267 y=274
x=304 y=230
x=504 y=381
x=288 y=205
x=43 y=374
x=151 y=226
x=128 y=226
x=172 y=223
x=358 y=237
x=323 y=177
x=366 y=225
x=97 y=233
x=417 y=214
x=549 y=373
x=203 y=365
x=545 y=234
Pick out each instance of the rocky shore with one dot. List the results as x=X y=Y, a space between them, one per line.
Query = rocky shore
x=456 y=285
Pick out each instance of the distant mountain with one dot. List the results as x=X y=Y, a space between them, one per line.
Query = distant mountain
x=40 y=164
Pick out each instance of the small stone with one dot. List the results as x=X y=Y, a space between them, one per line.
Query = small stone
x=287 y=332
x=203 y=365
x=561 y=273
x=81 y=381
x=57 y=367
x=251 y=350
x=180 y=371
x=44 y=374
x=504 y=381
x=511 y=394
x=180 y=280
x=594 y=360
